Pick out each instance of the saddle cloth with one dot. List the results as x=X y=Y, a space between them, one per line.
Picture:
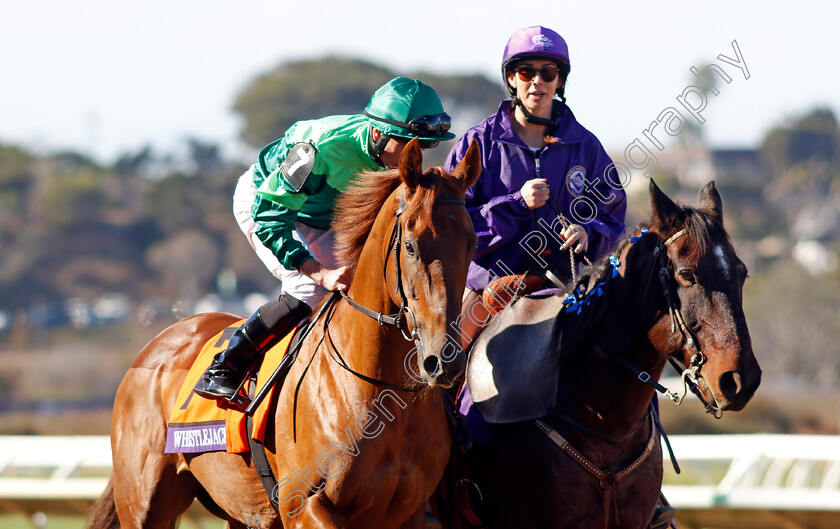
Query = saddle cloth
x=512 y=375
x=199 y=425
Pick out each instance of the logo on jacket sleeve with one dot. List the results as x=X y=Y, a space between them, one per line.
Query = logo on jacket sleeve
x=575 y=178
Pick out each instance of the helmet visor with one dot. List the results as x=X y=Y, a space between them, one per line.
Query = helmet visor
x=424 y=125
x=432 y=128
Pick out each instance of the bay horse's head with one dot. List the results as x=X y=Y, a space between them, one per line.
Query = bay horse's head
x=422 y=239
x=706 y=280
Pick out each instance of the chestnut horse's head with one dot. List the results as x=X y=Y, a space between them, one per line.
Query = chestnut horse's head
x=422 y=239
x=706 y=279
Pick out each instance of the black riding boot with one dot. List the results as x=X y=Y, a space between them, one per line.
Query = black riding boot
x=269 y=323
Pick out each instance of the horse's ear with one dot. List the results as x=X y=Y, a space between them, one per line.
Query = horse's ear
x=665 y=212
x=469 y=168
x=710 y=200
x=411 y=164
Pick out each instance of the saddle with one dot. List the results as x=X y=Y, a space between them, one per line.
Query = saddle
x=203 y=425
x=511 y=374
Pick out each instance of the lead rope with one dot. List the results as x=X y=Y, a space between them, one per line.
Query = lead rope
x=552 y=201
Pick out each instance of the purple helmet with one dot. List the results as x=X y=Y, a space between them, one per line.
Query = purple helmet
x=536 y=42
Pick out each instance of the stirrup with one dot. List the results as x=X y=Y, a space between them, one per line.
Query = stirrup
x=240 y=400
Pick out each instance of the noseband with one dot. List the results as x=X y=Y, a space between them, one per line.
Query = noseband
x=399 y=319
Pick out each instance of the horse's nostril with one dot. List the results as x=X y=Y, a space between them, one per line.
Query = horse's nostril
x=432 y=366
x=730 y=384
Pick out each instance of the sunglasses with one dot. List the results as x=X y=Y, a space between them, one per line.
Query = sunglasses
x=547 y=73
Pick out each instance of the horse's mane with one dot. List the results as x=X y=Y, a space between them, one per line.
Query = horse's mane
x=570 y=329
x=356 y=209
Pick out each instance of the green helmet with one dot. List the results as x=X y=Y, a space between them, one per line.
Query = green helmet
x=408 y=108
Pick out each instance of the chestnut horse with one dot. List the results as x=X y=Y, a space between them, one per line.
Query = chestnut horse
x=351 y=449
x=672 y=290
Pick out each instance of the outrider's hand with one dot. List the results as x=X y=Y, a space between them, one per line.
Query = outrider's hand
x=575 y=234
x=535 y=192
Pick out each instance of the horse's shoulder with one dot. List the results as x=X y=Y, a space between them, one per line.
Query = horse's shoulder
x=177 y=346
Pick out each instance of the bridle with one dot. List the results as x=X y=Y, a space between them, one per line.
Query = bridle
x=398 y=320
x=690 y=375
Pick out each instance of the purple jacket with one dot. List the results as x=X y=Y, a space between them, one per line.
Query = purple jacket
x=584 y=188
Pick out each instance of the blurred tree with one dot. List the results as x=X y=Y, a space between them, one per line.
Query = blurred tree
x=175 y=202
x=187 y=262
x=316 y=88
x=793 y=323
x=15 y=180
x=129 y=164
x=73 y=198
x=305 y=90
x=17 y=191
x=811 y=139
x=205 y=157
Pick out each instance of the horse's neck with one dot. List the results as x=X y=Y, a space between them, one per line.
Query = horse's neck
x=372 y=349
x=375 y=351
x=595 y=387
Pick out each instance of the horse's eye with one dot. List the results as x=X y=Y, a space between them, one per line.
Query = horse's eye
x=687 y=276
x=409 y=248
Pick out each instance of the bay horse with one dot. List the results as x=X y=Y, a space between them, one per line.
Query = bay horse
x=358 y=441
x=672 y=290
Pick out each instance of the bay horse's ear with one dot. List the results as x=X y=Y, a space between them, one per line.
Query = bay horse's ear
x=711 y=202
x=469 y=168
x=666 y=214
x=411 y=164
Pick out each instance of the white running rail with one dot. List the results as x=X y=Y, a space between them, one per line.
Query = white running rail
x=728 y=481
x=755 y=471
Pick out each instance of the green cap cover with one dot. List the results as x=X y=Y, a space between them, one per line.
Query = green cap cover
x=403 y=100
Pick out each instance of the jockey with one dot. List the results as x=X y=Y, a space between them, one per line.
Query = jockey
x=545 y=178
x=284 y=205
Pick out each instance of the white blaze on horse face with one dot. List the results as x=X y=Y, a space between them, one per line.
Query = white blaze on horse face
x=724 y=263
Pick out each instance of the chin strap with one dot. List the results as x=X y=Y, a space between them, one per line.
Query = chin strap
x=376 y=148
x=536 y=120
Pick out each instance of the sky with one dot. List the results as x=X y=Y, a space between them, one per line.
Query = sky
x=104 y=78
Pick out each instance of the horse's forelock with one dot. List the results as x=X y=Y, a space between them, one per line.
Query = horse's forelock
x=433 y=184
x=704 y=231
